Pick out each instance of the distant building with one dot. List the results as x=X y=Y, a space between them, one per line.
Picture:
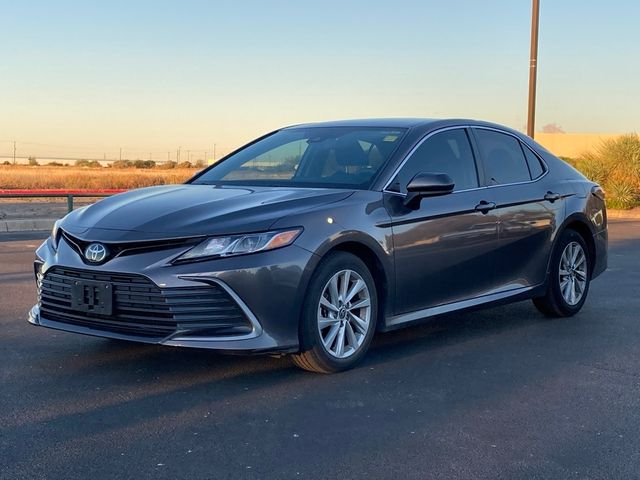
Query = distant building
x=572 y=145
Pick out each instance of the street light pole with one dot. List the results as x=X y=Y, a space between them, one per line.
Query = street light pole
x=533 y=65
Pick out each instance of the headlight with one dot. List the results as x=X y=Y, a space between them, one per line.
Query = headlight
x=54 y=234
x=240 y=244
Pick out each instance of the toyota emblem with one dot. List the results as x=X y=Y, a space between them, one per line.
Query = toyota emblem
x=95 y=253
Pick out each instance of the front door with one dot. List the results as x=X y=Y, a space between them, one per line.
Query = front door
x=444 y=249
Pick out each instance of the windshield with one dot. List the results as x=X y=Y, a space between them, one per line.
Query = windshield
x=314 y=157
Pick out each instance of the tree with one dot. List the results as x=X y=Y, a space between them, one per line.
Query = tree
x=552 y=128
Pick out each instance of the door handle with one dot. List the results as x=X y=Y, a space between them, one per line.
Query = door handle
x=552 y=196
x=485 y=206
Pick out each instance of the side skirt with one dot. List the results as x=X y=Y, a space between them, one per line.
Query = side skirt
x=508 y=296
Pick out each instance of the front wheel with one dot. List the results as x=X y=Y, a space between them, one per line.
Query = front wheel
x=339 y=315
x=569 y=278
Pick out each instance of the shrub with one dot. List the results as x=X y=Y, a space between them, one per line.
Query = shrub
x=55 y=164
x=144 y=164
x=122 y=164
x=6 y=162
x=185 y=165
x=571 y=161
x=33 y=161
x=615 y=165
x=169 y=165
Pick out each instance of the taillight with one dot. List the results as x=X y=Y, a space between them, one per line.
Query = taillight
x=598 y=191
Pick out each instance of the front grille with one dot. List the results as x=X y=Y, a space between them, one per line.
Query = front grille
x=141 y=308
x=131 y=248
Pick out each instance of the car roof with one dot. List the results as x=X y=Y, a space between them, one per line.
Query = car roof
x=402 y=123
x=370 y=122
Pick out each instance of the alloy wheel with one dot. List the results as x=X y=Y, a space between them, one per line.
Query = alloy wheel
x=344 y=314
x=573 y=273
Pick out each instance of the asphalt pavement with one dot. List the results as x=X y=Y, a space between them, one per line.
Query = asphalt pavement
x=499 y=393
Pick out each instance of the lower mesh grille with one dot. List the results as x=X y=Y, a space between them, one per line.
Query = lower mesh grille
x=141 y=308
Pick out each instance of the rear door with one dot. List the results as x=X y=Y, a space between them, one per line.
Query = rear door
x=527 y=213
x=444 y=250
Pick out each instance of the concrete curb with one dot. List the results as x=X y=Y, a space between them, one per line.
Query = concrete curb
x=633 y=214
x=26 y=225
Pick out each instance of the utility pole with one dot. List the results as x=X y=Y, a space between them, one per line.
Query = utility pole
x=168 y=157
x=214 y=153
x=189 y=156
x=533 y=65
x=14 y=152
x=120 y=153
x=149 y=156
x=178 y=155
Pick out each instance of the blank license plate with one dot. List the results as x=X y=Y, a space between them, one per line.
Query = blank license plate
x=92 y=297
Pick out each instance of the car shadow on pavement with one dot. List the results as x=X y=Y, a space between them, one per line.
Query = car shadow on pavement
x=156 y=371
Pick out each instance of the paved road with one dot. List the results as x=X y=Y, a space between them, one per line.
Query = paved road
x=502 y=393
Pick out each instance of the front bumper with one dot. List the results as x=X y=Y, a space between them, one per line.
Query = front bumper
x=268 y=287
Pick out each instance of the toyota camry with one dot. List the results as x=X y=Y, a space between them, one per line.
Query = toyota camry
x=312 y=238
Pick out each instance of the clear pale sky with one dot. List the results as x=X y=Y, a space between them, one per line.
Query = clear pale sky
x=87 y=77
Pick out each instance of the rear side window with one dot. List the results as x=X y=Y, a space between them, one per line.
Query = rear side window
x=503 y=159
x=535 y=166
x=445 y=152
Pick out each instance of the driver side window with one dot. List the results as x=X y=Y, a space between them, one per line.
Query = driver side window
x=445 y=152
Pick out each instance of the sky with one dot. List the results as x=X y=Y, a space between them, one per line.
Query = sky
x=86 y=78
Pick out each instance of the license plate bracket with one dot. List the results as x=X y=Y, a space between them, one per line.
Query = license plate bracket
x=92 y=297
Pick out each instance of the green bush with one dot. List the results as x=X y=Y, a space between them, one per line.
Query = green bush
x=33 y=161
x=169 y=164
x=144 y=164
x=571 y=161
x=615 y=165
x=88 y=163
x=122 y=164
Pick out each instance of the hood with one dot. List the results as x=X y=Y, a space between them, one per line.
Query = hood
x=173 y=211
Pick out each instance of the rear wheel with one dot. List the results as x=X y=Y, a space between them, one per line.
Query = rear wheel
x=569 y=277
x=339 y=315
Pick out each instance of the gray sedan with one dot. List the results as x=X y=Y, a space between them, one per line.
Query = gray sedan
x=312 y=238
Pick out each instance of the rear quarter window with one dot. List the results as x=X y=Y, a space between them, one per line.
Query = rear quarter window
x=534 y=163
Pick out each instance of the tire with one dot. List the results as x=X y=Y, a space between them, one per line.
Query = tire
x=558 y=301
x=351 y=324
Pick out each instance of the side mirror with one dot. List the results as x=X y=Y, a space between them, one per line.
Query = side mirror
x=427 y=185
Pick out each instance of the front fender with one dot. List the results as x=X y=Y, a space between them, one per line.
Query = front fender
x=359 y=221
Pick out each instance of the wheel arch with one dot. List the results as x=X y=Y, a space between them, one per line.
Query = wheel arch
x=579 y=223
x=378 y=261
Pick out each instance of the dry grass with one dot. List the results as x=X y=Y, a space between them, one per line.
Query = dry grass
x=24 y=177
